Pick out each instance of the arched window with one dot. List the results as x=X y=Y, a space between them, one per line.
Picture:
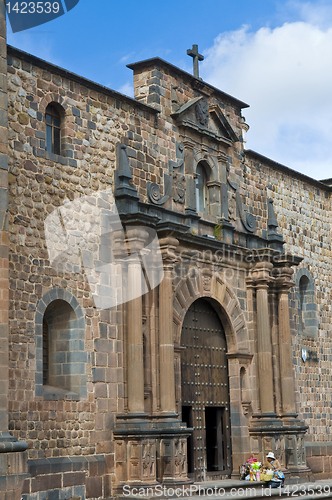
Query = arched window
x=201 y=189
x=45 y=353
x=303 y=289
x=307 y=321
x=53 y=132
x=64 y=356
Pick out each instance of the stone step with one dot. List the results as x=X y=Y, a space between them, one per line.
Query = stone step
x=229 y=489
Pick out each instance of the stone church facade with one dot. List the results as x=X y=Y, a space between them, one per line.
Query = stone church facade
x=120 y=370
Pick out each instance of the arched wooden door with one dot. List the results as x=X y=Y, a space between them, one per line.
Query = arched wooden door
x=205 y=392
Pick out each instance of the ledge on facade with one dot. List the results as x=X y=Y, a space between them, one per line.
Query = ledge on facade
x=240 y=354
x=9 y=444
x=65 y=464
x=63 y=160
x=56 y=394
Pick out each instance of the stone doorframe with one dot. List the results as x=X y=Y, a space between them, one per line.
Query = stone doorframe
x=223 y=298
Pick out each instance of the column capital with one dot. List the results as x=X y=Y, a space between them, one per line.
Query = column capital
x=261 y=274
x=168 y=247
x=283 y=279
x=136 y=238
x=188 y=143
x=129 y=242
x=250 y=282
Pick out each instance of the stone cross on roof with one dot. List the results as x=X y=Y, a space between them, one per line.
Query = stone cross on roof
x=196 y=57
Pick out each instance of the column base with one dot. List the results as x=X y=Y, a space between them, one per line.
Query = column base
x=284 y=437
x=150 y=452
x=13 y=466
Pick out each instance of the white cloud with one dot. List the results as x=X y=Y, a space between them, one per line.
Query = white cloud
x=126 y=58
x=127 y=89
x=285 y=74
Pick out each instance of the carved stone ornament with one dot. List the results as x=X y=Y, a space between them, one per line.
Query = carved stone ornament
x=206 y=283
x=202 y=112
x=246 y=407
x=180 y=458
x=236 y=209
x=154 y=193
x=231 y=205
x=179 y=188
x=272 y=222
x=153 y=189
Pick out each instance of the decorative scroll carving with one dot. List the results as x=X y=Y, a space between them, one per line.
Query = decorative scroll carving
x=153 y=189
x=235 y=208
x=154 y=193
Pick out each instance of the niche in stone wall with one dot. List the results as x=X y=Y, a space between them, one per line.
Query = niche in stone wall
x=307 y=321
x=202 y=200
x=60 y=341
x=244 y=391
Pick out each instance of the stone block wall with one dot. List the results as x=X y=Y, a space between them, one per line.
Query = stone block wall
x=78 y=421
x=67 y=478
x=302 y=206
x=319 y=459
x=55 y=424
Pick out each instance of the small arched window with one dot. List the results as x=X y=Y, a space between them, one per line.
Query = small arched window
x=201 y=189
x=53 y=133
x=45 y=353
x=303 y=289
x=64 y=355
x=307 y=320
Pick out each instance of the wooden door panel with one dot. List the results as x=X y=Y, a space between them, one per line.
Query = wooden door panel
x=204 y=383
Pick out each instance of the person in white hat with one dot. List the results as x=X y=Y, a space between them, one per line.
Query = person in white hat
x=271 y=462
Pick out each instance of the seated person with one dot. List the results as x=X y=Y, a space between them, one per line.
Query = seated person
x=271 y=462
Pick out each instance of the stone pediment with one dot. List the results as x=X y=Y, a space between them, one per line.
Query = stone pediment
x=208 y=120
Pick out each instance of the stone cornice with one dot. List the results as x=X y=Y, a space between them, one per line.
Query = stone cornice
x=41 y=63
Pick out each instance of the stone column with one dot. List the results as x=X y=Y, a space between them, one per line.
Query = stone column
x=284 y=284
x=166 y=344
x=261 y=276
x=136 y=240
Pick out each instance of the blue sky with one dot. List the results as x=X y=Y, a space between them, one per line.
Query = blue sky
x=274 y=55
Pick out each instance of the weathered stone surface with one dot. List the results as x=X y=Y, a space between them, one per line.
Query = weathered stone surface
x=63 y=424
